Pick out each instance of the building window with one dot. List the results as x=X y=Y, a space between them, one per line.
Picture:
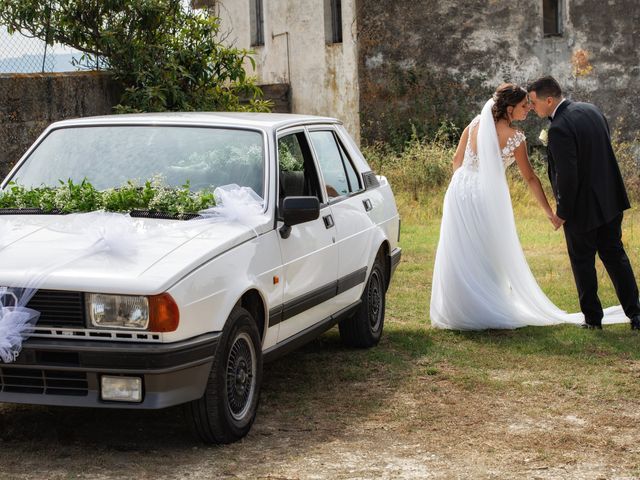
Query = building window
x=198 y=4
x=257 y=22
x=333 y=21
x=552 y=17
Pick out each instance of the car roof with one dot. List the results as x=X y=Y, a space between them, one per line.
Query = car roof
x=231 y=119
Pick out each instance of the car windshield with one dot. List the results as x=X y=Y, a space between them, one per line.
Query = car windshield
x=110 y=156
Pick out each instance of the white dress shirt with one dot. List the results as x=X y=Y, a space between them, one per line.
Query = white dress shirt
x=556 y=109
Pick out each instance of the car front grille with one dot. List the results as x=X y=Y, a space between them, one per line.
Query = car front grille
x=59 y=308
x=43 y=382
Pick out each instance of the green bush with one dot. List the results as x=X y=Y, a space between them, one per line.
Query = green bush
x=628 y=155
x=419 y=168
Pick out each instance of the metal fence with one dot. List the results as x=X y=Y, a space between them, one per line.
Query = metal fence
x=23 y=54
x=20 y=53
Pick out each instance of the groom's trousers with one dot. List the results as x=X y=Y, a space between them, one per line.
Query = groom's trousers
x=605 y=240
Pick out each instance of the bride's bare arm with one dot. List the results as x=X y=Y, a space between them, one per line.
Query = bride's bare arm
x=459 y=155
x=522 y=159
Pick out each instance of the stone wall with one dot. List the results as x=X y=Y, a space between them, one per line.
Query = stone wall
x=425 y=62
x=29 y=103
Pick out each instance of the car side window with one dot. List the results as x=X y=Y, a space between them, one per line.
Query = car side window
x=354 y=180
x=333 y=162
x=297 y=172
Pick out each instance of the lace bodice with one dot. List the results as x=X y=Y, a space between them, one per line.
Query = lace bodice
x=471 y=157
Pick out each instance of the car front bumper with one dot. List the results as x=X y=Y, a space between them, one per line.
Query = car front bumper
x=67 y=372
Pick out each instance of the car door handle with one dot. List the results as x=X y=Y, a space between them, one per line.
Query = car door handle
x=368 y=206
x=328 y=221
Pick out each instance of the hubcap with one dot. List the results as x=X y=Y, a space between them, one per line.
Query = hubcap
x=375 y=301
x=241 y=376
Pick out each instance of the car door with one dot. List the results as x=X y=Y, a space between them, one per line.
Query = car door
x=349 y=206
x=310 y=257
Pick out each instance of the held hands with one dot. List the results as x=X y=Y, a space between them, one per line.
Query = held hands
x=556 y=221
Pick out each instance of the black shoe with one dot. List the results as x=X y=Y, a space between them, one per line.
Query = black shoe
x=635 y=322
x=593 y=326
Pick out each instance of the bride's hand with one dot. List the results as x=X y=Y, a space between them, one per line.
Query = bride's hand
x=556 y=221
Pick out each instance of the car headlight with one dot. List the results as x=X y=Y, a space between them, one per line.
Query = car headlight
x=118 y=311
x=156 y=313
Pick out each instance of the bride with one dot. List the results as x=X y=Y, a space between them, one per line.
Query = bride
x=481 y=278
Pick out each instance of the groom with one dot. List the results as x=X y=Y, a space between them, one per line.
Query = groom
x=590 y=197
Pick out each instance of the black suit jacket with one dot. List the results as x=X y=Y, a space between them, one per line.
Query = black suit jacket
x=583 y=169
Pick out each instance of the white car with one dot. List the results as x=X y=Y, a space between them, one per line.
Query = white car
x=189 y=318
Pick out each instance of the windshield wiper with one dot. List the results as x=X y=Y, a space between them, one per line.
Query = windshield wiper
x=28 y=211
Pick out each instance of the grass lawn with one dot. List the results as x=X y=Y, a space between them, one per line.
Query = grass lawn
x=558 y=348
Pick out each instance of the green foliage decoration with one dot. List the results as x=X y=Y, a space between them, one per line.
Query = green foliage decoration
x=153 y=196
x=287 y=161
x=166 y=57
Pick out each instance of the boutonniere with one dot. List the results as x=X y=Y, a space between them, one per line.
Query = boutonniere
x=544 y=137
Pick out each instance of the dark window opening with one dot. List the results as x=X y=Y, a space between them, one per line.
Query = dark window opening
x=552 y=17
x=257 y=22
x=297 y=172
x=333 y=21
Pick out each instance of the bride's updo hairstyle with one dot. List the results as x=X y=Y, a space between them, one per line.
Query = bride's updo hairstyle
x=507 y=95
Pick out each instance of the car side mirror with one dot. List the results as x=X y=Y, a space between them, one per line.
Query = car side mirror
x=296 y=210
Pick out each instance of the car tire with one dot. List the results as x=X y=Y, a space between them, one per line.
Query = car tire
x=364 y=328
x=227 y=409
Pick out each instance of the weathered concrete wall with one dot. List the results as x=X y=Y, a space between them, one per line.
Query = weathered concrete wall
x=29 y=103
x=425 y=61
x=323 y=77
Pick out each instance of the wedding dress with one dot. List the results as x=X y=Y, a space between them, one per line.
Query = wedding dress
x=481 y=278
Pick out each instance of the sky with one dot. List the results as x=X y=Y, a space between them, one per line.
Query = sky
x=22 y=54
x=29 y=53
x=10 y=47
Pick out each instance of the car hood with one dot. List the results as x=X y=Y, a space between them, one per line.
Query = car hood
x=112 y=253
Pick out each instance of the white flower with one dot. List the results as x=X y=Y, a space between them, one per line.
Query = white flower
x=544 y=137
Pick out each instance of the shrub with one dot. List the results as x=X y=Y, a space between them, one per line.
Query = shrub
x=628 y=155
x=420 y=167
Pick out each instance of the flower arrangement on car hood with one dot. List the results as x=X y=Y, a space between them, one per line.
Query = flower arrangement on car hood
x=69 y=197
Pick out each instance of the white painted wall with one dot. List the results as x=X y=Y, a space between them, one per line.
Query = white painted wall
x=323 y=77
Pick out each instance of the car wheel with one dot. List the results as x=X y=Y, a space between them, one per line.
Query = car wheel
x=228 y=407
x=364 y=328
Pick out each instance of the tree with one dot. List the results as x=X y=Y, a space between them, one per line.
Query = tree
x=165 y=56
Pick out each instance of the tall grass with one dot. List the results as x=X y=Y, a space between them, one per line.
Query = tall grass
x=422 y=169
x=628 y=155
